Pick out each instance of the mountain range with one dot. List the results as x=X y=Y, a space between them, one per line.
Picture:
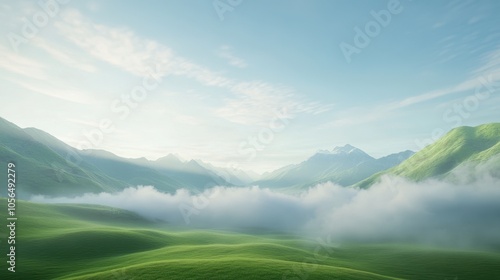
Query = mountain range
x=343 y=165
x=48 y=166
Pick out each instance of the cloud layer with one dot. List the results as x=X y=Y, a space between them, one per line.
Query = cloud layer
x=433 y=212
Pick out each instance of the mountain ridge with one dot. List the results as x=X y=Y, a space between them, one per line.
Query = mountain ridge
x=342 y=165
x=461 y=145
x=52 y=167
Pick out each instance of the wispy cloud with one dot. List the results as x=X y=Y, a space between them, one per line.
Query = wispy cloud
x=22 y=65
x=69 y=94
x=256 y=103
x=227 y=53
x=487 y=74
x=251 y=102
x=64 y=55
x=124 y=49
x=464 y=86
x=485 y=77
x=33 y=75
x=490 y=63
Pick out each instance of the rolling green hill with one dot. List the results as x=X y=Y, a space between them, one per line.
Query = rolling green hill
x=460 y=146
x=96 y=242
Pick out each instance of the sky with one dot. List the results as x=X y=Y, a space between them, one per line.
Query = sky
x=250 y=84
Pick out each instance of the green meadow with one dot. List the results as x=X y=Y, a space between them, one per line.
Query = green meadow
x=62 y=241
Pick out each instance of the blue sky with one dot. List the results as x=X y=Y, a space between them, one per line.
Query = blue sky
x=253 y=84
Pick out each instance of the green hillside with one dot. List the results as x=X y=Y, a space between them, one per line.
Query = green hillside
x=48 y=166
x=460 y=145
x=43 y=171
x=123 y=171
x=96 y=242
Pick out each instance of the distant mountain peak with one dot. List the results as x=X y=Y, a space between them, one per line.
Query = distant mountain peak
x=346 y=149
x=169 y=159
x=342 y=150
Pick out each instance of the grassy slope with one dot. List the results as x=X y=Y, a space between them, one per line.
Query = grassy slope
x=460 y=145
x=121 y=170
x=43 y=170
x=94 y=242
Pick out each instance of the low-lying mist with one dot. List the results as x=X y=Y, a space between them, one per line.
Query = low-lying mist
x=463 y=212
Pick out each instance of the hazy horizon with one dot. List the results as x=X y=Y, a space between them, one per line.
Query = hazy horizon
x=314 y=78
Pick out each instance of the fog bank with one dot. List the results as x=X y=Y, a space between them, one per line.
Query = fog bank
x=461 y=212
